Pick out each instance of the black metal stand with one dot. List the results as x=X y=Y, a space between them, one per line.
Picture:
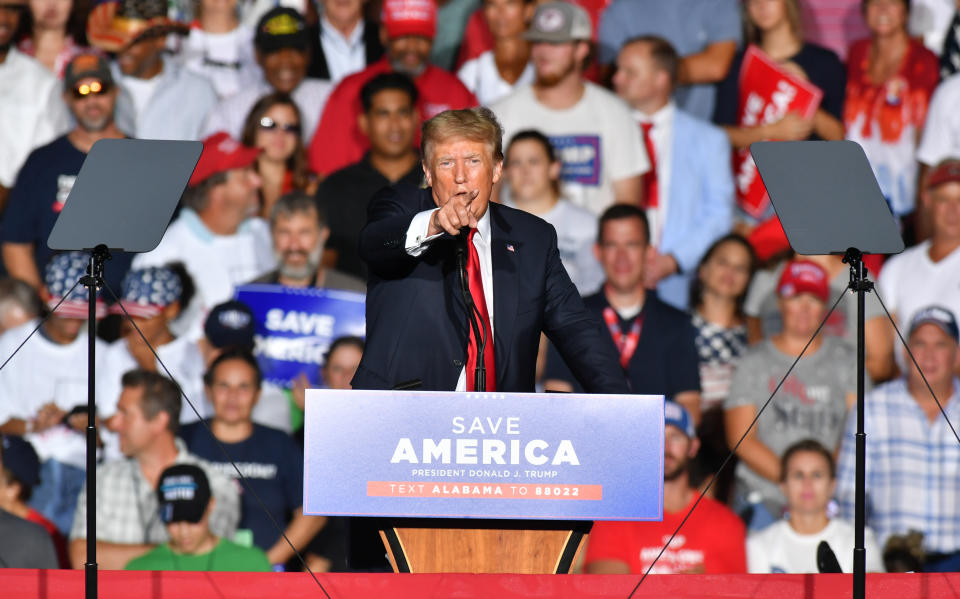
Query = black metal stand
x=92 y=281
x=861 y=286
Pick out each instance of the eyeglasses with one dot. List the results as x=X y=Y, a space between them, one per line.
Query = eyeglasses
x=94 y=88
x=269 y=124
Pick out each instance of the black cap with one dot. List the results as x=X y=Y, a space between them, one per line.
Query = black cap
x=230 y=324
x=183 y=494
x=279 y=28
x=21 y=460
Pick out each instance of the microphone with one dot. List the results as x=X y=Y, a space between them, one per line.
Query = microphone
x=827 y=560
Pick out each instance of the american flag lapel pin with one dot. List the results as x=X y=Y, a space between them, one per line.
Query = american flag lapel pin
x=510 y=248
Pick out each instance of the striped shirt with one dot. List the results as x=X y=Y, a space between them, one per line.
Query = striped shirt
x=912 y=468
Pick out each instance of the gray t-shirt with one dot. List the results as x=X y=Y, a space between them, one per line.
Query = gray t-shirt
x=811 y=404
x=25 y=544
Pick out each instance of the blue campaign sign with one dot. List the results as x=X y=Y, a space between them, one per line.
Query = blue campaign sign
x=294 y=327
x=483 y=455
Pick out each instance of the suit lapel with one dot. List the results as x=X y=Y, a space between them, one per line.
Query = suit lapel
x=503 y=256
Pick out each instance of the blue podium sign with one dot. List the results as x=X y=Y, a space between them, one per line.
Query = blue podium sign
x=483 y=455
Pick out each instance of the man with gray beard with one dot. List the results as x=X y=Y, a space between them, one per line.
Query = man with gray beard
x=48 y=174
x=299 y=231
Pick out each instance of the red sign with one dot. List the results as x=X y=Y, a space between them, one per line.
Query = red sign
x=767 y=93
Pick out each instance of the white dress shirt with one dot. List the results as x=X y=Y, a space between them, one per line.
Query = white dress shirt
x=418 y=241
x=345 y=55
x=662 y=134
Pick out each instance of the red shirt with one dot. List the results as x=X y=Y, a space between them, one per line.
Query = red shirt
x=59 y=541
x=338 y=141
x=713 y=541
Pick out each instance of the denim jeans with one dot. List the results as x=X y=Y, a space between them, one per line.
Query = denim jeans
x=56 y=495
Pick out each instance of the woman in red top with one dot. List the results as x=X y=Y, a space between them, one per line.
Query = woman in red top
x=890 y=78
x=274 y=126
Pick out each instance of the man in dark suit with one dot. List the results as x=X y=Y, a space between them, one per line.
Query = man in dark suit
x=417 y=323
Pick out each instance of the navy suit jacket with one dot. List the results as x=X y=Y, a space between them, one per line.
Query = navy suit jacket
x=416 y=321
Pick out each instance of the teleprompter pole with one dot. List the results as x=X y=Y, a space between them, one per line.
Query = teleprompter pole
x=92 y=281
x=860 y=285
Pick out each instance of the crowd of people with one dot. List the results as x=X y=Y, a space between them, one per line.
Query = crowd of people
x=621 y=120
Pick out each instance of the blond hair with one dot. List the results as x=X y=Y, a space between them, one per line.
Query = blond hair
x=476 y=124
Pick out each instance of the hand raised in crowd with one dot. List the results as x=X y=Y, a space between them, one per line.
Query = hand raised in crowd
x=657 y=267
x=454 y=214
x=48 y=416
x=791 y=127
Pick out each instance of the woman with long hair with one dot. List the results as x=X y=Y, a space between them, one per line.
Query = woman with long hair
x=55 y=33
x=274 y=126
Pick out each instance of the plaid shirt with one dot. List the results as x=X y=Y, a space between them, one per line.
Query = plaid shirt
x=127 y=510
x=912 y=468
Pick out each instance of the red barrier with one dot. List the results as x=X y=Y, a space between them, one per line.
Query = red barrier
x=68 y=584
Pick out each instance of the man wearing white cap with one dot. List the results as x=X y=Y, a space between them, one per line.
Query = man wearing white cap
x=592 y=130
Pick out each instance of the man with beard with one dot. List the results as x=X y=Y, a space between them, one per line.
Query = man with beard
x=48 y=175
x=299 y=232
x=712 y=541
x=31 y=113
x=407 y=31
x=596 y=138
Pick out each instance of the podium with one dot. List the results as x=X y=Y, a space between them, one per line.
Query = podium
x=483 y=482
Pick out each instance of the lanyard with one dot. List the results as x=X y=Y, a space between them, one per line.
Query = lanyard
x=626 y=344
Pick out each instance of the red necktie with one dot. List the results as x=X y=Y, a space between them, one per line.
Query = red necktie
x=476 y=291
x=650 y=177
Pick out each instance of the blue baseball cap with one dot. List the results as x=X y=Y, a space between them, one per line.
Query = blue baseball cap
x=21 y=460
x=938 y=315
x=676 y=415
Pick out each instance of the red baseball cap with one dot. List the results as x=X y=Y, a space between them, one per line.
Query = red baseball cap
x=948 y=171
x=804 y=276
x=221 y=153
x=409 y=17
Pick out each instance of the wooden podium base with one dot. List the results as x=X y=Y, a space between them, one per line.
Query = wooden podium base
x=483 y=546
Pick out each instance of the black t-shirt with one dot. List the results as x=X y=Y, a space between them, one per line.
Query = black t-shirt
x=273 y=465
x=665 y=361
x=38 y=197
x=344 y=196
x=823 y=69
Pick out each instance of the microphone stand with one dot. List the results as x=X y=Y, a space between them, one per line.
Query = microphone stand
x=477 y=324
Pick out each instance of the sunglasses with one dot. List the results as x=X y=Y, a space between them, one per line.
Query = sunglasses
x=94 y=88
x=269 y=124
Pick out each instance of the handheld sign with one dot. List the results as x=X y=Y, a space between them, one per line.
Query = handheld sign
x=483 y=455
x=294 y=327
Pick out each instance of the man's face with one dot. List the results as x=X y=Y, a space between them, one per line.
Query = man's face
x=801 y=314
x=460 y=167
x=340 y=11
x=555 y=61
x=239 y=192
x=298 y=244
x=64 y=330
x=141 y=57
x=135 y=431
x=284 y=69
x=506 y=18
x=10 y=14
x=233 y=391
x=807 y=484
x=409 y=53
x=936 y=353
x=945 y=205
x=390 y=124
x=621 y=251
x=93 y=111
x=188 y=537
x=340 y=367
x=678 y=450
x=637 y=79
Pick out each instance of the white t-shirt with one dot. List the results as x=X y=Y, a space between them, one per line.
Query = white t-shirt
x=217 y=263
x=930 y=19
x=226 y=59
x=273 y=407
x=44 y=372
x=911 y=281
x=181 y=356
x=32 y=112
x=140 y=90
x=779 y=549
x=576 y=233
x=481 y=76
x=597 y=140
x=941 y=133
